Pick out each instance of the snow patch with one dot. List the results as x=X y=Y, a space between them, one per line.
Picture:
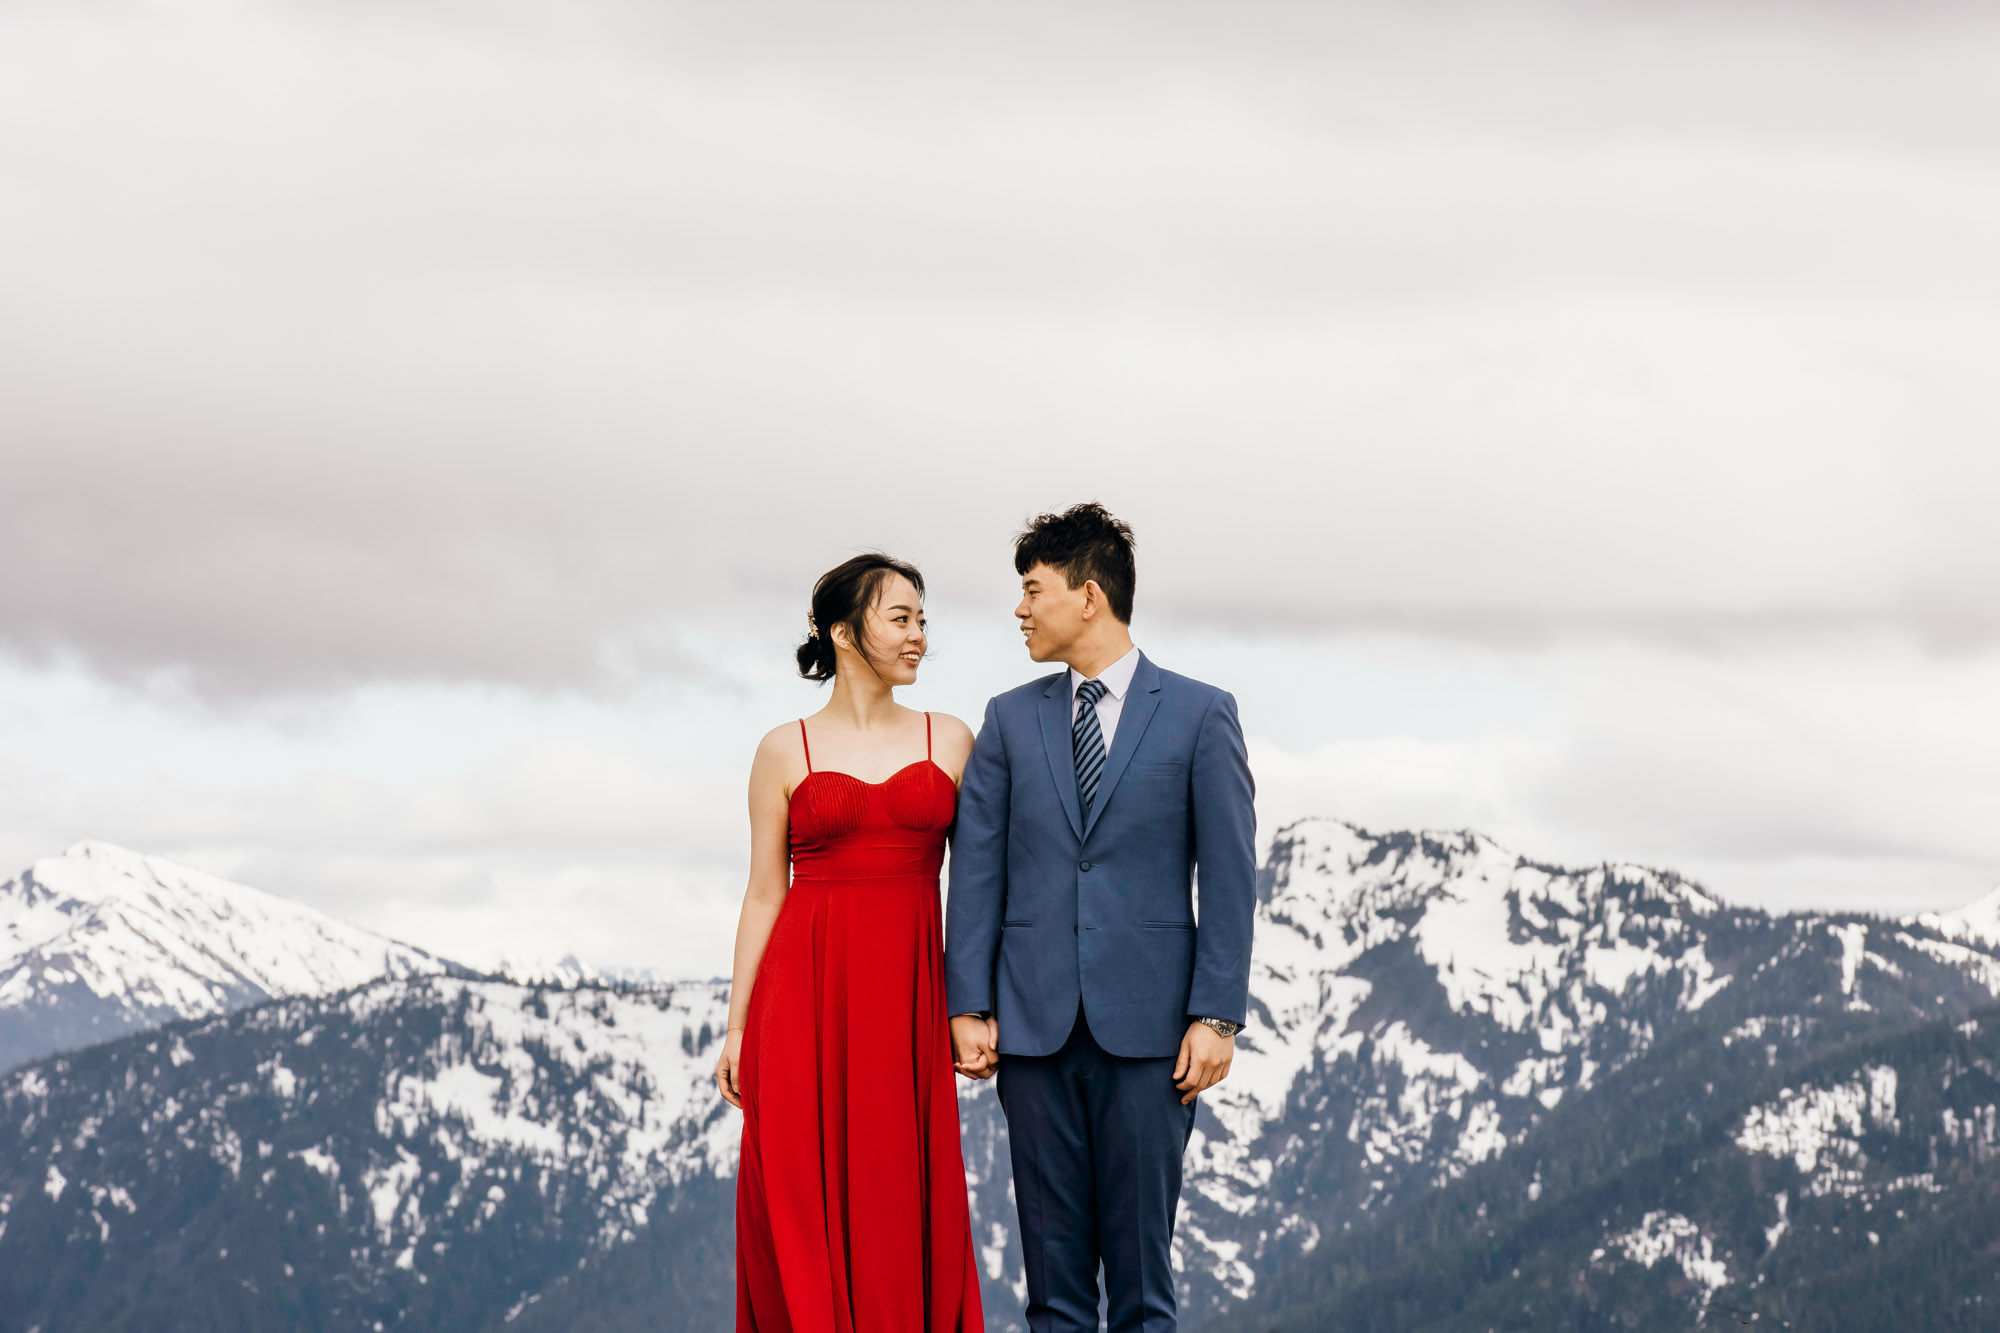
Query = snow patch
x=1775 y=1232
x=320 y=1160
x=1664 y=1235
x=1820 y=1128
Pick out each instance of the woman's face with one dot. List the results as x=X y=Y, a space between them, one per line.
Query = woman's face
x=896 y=638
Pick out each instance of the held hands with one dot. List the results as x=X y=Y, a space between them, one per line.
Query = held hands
x=1204 y=1060
x=975 y=1046
x=725 y=1068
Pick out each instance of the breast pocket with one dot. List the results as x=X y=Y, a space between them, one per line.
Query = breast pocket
x=1159 y=770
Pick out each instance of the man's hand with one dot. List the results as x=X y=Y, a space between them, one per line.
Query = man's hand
x=1204 y=1062
x=975 y=1045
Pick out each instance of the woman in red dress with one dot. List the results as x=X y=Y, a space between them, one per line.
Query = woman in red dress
x=850 y=1198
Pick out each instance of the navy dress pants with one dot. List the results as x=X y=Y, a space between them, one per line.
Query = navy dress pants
x=1097 y=1142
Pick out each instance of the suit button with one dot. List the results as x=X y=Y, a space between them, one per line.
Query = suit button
x=1083 y=865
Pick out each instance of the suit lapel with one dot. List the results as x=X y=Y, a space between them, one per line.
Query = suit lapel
x=1062 y=756
x=1141 y=701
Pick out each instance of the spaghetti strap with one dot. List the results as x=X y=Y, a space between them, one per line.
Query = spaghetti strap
x=927 y=736
x=808 y=744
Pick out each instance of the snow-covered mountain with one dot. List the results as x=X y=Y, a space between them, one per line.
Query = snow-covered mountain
x=101 y=941
x=566 y=970
x=1855 y=1191
x=1429 y=1011
x=1976 y=924
x=1464 y=992
x=419 y=1153
x=1423 y=1002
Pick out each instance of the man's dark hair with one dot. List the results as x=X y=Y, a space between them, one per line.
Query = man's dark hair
x=1083 y=543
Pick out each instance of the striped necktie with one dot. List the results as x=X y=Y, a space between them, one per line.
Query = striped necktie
x=1087 y=740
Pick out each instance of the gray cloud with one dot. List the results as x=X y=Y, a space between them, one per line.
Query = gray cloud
x=340 y=344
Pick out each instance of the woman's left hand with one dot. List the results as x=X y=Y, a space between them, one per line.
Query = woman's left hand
x=726 y=1075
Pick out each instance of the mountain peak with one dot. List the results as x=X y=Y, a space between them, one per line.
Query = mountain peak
x=1977 y=923
x=95 y=849
x=563 y=972
x=1315 y=853
x=92 y=871
x=102 y=939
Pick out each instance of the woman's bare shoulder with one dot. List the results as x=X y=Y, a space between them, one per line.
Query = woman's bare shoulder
x=950 y=736
x=944 y=724
x=781 y=742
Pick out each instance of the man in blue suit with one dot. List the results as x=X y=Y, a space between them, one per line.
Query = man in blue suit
x=1075 y=965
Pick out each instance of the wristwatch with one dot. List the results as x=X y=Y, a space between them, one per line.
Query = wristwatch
x=1222 y=1027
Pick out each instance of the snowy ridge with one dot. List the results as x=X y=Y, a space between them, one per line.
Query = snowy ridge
x=1528 y=964
x=1976 y=924
x=101 y=940
x=1420 y=1001
x=569 y=970
x=1532 y=949
x=643 y=1114
x=575 y=1108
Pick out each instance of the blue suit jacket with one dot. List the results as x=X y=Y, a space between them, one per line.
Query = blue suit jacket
x=1048 y=908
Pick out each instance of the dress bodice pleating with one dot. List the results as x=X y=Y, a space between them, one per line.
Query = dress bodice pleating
x=844 y=828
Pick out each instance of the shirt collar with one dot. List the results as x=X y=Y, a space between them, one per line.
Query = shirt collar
x=1117 y=678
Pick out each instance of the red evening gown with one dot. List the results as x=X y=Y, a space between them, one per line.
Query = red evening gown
x=850 y=1201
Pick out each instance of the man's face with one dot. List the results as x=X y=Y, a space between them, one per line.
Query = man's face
x=1051 y=613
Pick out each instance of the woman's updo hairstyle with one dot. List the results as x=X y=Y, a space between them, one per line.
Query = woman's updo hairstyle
x=843 y=596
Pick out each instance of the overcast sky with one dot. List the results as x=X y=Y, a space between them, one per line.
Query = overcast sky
x=421 y=423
